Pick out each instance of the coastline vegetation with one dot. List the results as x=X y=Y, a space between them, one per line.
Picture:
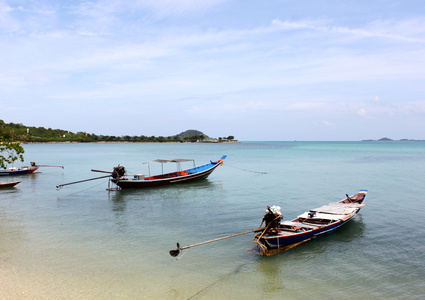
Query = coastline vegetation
x=13 y=132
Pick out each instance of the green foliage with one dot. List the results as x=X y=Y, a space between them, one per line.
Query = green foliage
x=10 y=152
x=26 y=134
x=195 y=138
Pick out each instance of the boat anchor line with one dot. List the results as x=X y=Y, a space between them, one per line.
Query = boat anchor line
x=221 y=278
x=246 y=170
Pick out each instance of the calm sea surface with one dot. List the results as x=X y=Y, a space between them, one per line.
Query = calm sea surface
x=84 y=242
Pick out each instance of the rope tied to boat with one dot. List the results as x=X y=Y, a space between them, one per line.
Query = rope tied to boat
x=183 y=253
x=246 y=170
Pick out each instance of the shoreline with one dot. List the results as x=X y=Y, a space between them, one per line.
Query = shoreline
x=126 y=142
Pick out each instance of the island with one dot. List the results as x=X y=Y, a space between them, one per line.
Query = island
x=385 y=139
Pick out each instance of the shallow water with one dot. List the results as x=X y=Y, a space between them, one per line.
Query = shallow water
x=85 y=242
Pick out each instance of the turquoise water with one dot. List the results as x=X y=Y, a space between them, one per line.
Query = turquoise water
x=84 y=242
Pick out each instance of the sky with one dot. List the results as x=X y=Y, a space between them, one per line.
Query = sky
x=272 y=70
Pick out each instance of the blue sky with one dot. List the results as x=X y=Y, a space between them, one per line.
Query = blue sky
x=257 y=70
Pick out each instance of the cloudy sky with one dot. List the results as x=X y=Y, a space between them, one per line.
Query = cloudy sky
x=257 y=70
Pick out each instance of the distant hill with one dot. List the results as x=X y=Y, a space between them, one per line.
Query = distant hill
x=385 y=139
x=190 y=133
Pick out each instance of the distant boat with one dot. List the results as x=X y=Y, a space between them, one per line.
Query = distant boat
x=8 y=184
x=280 y=236
x=24 y=170
x=20 y=171
x=180 y=176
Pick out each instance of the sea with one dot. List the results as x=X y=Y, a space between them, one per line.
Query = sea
x=86 y=242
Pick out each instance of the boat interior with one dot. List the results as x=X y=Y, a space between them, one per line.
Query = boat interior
x=324 y=215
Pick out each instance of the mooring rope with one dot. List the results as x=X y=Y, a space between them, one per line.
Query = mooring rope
x=259 y=172
x=183 y=253
x=220 y=278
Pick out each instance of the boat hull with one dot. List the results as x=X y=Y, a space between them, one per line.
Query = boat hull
x=186 y=176
x=277 y=242
x=8 y=184
x=18 y=171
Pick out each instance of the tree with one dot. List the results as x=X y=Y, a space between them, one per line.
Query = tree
x=10 y=152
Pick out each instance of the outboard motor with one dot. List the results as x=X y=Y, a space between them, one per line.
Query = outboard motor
x=311 y=214
x=118 y=172
x=273 y=216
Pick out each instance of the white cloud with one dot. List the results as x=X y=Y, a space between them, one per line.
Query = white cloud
x=195 y=57
x=305 y=106
x=362 y=112
x=375 y=29
x=329 y=124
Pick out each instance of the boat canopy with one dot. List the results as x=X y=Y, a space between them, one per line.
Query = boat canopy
x=177 y=160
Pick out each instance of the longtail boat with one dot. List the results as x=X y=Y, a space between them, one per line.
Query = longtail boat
x=24 y=170
x=8 y=184
x=120 y=178
x=277 y=235
x=20 y=171
x=283 y=235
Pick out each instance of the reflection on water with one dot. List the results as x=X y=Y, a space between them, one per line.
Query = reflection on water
x=169 y=193
x=271 y=274
x=8 y=191
x=153 y=204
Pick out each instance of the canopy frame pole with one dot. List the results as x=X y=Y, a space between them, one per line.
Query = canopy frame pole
x=149 y=168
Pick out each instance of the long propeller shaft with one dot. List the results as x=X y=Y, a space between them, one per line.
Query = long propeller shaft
x=61 y=185
x=100 y=171
x=176 y=252
x=49 y=166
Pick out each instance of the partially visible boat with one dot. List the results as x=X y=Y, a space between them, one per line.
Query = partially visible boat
x=8 y=184
x=180 y=176
x=19 y=171
x=283 y=235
